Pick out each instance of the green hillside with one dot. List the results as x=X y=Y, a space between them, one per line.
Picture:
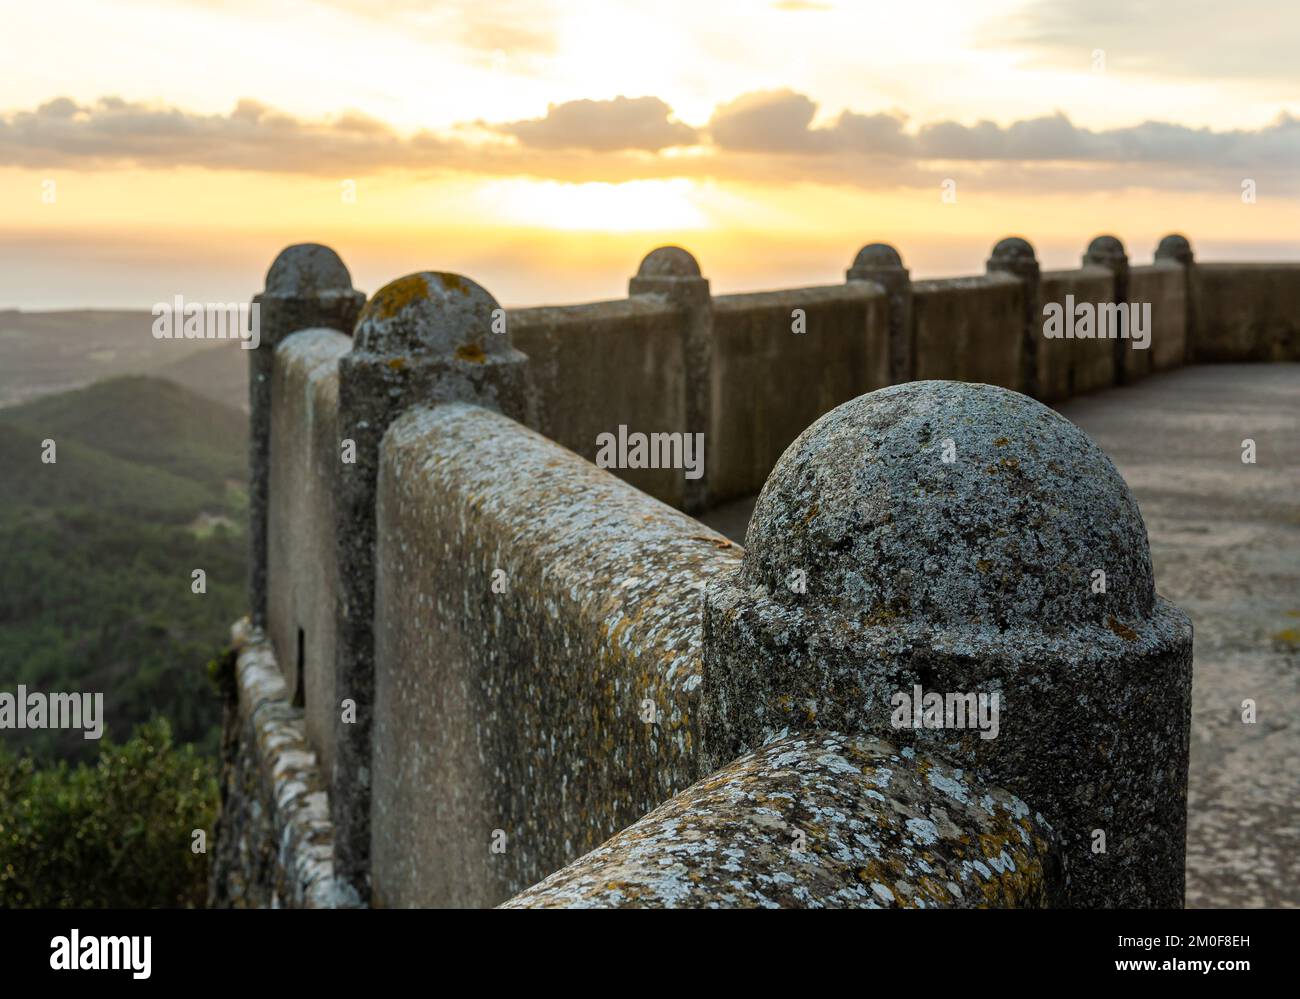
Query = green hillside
x=148 y=421
x=85 y=477
x=97 y=552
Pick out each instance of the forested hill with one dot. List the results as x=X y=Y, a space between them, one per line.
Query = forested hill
x=98 y=548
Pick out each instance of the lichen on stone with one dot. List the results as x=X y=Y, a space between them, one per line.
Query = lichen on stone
x=821 y=820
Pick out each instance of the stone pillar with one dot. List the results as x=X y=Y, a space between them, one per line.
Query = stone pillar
x=426 y=338
x=306 y=287
x=1175 y=249
x=1108 y=252
x=947 y=538
x=1015 y=255
x=880 y=262
x=672 y=272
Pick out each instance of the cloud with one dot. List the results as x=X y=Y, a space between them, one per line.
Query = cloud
x=114 y=132
x=767 y=121
x=601 y=126
x=779 y=121
x=1207 y=40
x=1055 y=138
x=764 y=137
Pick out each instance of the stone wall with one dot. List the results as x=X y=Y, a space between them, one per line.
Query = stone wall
x=274 y=842
x=1164 y=286
x=594 y=367
x=821 y=821
x=770 y=381
x=523 y=636
x=1246 y=312
x=302 y=604
x=969 y=328
x=1067 y=367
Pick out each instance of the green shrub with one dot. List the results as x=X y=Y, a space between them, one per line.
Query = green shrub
x=115 y=833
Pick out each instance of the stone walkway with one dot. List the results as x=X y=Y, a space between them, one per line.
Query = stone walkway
x=1225 y=542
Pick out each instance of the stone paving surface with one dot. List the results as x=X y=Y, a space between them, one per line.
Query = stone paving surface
x=1225 y=543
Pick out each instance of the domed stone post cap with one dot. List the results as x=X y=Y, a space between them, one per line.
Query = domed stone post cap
x=1001 y=537
x=1014 y=253
x=433 y=313
x=307 y=287
x=423 y=340
x=1106 y=251
x=958 y=524
x=669 y=261
x=964 y=541
x=1175 y=247
x=873 y=259
x=673 y=274
x=666 y=269
x=307 y=270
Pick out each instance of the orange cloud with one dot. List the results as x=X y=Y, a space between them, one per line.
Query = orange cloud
x=763 y=137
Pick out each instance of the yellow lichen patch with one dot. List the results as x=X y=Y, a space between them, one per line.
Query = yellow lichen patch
x=1123 y=630
x=932 y=890
x=992 y=844
x=397 y=363
x=1001 y=442
x=393 y=298
x=879 y=616
x=454 y=282
x=471 y=352
x=1288 y=636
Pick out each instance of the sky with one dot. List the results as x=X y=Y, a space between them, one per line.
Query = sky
x=542 y=147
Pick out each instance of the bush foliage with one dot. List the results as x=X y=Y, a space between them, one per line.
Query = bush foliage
x=115 y=833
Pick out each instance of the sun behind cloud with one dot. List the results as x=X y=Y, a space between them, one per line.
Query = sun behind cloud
x=636 y=206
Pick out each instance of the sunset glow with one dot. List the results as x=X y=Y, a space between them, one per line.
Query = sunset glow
x=518 y=136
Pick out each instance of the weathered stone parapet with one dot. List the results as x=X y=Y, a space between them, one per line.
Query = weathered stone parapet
x=1070 y=367
x=307 y=286
x=673 y=273
x=1164 y=287
x=780 y=360
x=969 y=329
x=1175 y=250
x=821 y=820
x=1108 y=252
x=301 y=570
x=274 y=841
x=598 y=366
x=881 y=263
x=1246 y=312
x=425 y=338
x=952 y=537
x=537 y=658
x=1014 y=255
